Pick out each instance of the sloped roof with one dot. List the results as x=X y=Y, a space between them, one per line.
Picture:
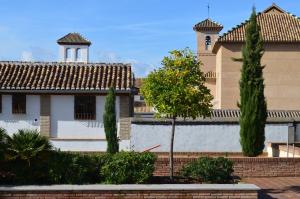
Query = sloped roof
x=138 y=82
x=208 y=25
x=73 y=39
x=276 y=26
x=54 y=76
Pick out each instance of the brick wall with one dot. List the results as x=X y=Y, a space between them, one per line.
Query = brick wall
x=243 y=167
x=128 y=194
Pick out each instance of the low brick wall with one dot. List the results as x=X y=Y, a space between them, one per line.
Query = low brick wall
x=131 y=191
x=243 y=167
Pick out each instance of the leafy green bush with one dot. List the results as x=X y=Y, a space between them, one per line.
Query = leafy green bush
x=209 y=170
x=3 y=143
x=75 y=168
x=25 y=157
x=129 y=168
x=27 y=145
x=28 y=158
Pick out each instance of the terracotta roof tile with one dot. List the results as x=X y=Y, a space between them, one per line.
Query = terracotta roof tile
x=50 y=76
x=138 y=82
x=73 y=39
x=207 y=25
x=276 y=26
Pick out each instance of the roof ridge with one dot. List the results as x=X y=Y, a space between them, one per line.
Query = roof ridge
x=56 y=62
x=274 y=5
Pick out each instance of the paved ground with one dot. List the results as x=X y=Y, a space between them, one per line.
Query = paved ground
x=277 y=187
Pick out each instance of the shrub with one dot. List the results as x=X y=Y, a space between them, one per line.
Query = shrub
x=81 y=168
x=3 y=143
x=27 y=145
x=209 y=170
x=30 y=159
x=26 y=158
x=129 y=168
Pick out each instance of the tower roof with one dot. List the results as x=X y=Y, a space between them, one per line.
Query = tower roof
x=208 y=25
x=73 y=39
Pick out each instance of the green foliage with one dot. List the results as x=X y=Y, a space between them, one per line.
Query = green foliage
x=252 y=105
x=209 y=170
x=26 y=145
x=109 y=119
x=75 y=168
x=25 y=157
x=129 y=168
x=177 y=88
x=29 y=159
x=3 y=143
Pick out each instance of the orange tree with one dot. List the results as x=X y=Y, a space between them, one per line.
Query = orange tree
x=177 y=90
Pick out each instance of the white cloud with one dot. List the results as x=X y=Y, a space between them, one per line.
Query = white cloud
x=37 y=54
x=110 y=57
x=26 y=56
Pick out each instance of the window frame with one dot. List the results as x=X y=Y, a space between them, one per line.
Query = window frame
x=85 y=111
x=18 y=103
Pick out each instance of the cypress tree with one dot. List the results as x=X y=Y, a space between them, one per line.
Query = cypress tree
x=252 y=105
x=109 y=119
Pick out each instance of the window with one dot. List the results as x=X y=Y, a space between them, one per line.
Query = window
x=85 y=107
x=68 y=53
x=78 y=54
x=207 y=42
x=19 y=104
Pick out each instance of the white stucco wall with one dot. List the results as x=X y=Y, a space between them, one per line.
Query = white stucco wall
x=64 y=126
x=87 y=145
x=84 y=53
x=198 y=138
x=13 y=122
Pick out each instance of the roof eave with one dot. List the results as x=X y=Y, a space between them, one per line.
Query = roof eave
x=74 y=43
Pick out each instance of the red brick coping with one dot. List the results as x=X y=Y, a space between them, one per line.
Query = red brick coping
x=243 y=167
x=131 y=191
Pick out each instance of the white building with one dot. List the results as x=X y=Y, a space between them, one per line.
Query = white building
x=65 y=100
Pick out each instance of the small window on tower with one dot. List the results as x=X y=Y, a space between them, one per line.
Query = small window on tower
x=207 y=42
x=68 y=53
x=78 y=54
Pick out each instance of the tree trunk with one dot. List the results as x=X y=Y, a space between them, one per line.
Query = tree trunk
x=171 y=163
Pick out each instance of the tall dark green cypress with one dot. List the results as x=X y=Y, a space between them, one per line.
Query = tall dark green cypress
x=252 y=105
x=110 y=126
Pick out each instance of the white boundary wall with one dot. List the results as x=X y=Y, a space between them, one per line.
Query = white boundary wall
x=200 y=137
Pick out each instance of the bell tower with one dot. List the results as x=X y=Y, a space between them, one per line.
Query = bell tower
x=73 y=48
x=207 y=33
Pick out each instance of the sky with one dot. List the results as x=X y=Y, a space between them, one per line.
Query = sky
x=140 y=32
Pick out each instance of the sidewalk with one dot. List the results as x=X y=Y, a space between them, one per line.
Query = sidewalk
x=277 y=187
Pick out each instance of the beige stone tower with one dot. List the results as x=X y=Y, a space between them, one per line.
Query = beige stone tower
x=207 y=32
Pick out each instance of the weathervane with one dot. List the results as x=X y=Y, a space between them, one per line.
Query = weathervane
x=208 y=10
